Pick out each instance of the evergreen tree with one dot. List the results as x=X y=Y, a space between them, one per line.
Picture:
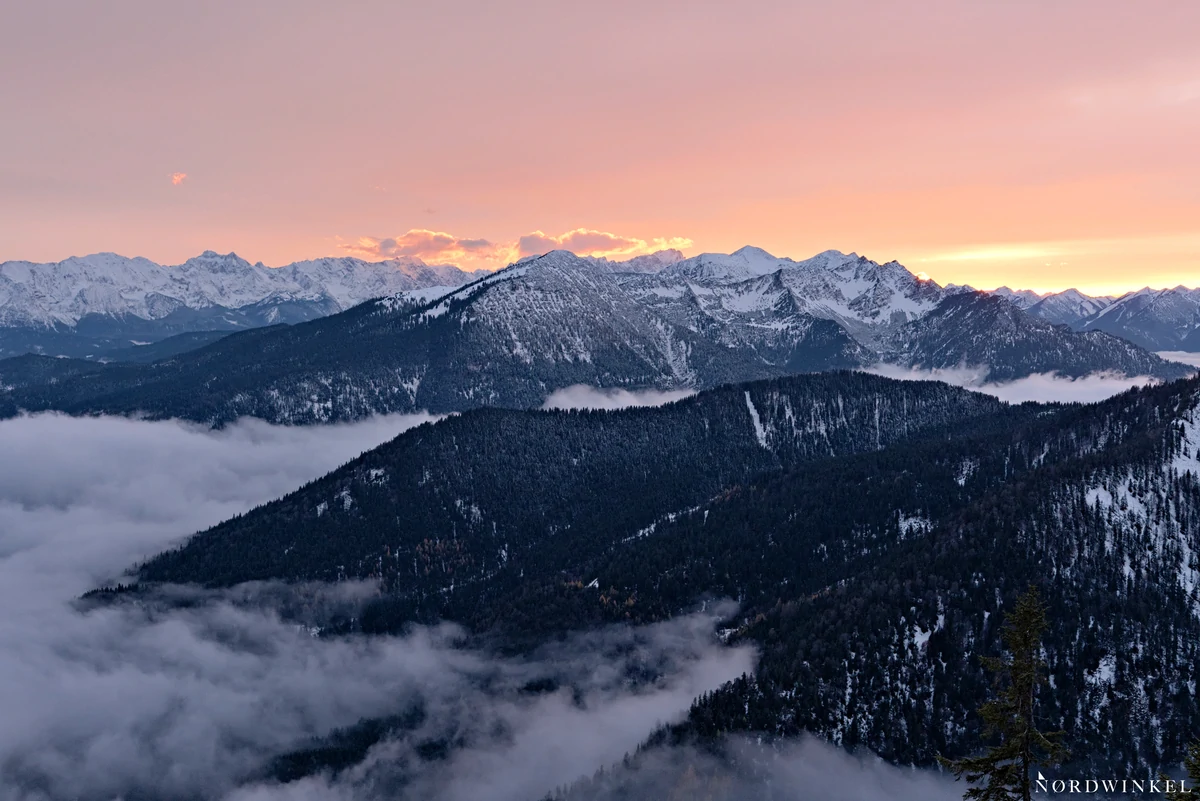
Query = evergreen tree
x=1193 y=778
x=1005 y=768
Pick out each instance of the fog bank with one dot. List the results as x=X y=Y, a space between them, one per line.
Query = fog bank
x=1041 y=387
x=147 y=697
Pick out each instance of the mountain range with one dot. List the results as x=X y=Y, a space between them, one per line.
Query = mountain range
x=101 y=305
x=875 y=533
x=513 y=337
x=1155 y=319
x=88 y=306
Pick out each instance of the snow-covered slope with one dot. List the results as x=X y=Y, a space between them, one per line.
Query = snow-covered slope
x=1023 y=298
x=546 y=323
x=1154 y=319
x=1068 y=307
x=648 y=263
x=756 y=297
x=63 y=293
x=1157 y=319
x=978 y=329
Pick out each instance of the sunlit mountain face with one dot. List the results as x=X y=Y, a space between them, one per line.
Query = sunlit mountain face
x=516 y=336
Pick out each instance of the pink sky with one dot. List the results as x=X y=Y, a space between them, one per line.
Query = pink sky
x=1038 y=144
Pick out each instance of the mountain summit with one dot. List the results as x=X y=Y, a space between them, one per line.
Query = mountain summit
x=63 y=293
x=513 y=337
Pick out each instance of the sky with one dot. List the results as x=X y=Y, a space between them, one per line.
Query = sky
x=1038 y=145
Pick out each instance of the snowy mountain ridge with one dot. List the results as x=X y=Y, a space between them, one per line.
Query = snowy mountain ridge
x=1155 y=319
x=515 y=336
x=62 y=293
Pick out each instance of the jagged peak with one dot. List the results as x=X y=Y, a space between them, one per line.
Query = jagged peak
x=833 y=254
x=651 y=262
x=214 y=258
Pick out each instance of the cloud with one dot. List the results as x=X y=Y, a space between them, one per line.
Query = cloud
x=169 y=700
x=177 y=178
x=1041 y=387
x=800 y=770
x=589 y=242
x=521 y=748
x=441 y=247
x=805 y=769
x=581 y=396
x=429 y=246
x=1181 y=356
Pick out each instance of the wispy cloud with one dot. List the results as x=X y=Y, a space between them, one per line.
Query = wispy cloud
x=589 y=242
x=177 y=178
x=429 y=246
x=442 y=247
x=1042 y=387
x=740 y=768
x=1183 y=356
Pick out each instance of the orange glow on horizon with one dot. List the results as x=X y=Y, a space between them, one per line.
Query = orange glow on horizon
x=894 y=132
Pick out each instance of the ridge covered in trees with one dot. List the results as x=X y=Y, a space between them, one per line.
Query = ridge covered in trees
x=875 y=533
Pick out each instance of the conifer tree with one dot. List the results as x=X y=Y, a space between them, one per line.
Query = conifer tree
x=1005 y=770
x=1191 y=789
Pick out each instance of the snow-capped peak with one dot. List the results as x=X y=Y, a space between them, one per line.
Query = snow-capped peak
x=1023 y=298
x=651 y=262
x=752 y=253
x=61 y=293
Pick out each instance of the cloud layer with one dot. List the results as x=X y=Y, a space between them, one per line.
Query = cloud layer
x=441 y=247
x=589 y=242
x=1181 y=356
x=173 y=700
x=801 y=770
x=1042 y=387
x=429 y=246
x=166 y=699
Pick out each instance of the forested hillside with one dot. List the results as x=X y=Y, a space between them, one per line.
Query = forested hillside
x=873 y=584
x=484 y=497
x=873 y=531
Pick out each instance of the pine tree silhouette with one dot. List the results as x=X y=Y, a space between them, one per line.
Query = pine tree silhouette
x=1005 y=769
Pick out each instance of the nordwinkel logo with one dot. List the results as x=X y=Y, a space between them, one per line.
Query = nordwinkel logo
x=1155 y=786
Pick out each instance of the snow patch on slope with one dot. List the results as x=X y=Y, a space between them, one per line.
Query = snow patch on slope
x=107 y=284
x=1188 y=458
x=759 y=432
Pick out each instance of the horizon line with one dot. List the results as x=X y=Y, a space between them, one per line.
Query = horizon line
x=1115 y=291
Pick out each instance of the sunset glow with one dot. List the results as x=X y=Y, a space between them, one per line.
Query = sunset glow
x=1037 y=146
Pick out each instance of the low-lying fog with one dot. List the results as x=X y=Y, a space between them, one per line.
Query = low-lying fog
x=149 y=700
x=1040 y=387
